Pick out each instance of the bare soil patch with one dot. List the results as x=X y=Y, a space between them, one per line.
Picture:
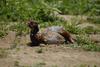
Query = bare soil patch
x=51 y=55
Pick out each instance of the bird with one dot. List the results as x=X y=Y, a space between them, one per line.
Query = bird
x=51 y=35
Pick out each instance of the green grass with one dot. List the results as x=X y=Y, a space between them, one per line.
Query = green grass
x=3 y=29
x=84 y=42
x=94 y=19
x=43 y=10
x=17 y=64
x=91 y=30
x=20 y=28
x=39 y=50
x=40 y=64
x=85 y=65
x=3 y=53
x=2 y=33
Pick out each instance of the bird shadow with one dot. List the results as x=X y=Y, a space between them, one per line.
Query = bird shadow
x=32 y=45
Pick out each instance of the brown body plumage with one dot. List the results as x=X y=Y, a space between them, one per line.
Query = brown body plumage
x=51 y=35
x=61 y=31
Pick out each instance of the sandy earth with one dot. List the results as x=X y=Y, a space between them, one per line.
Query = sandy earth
x=44 y=56
x=60 y=56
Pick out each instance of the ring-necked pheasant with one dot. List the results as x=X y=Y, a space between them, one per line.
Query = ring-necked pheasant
x=51 y=35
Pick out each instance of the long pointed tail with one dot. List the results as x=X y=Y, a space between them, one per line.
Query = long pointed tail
x=67 y=37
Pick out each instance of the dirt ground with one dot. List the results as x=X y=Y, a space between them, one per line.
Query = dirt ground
x=50 y=56
x=45 y=55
